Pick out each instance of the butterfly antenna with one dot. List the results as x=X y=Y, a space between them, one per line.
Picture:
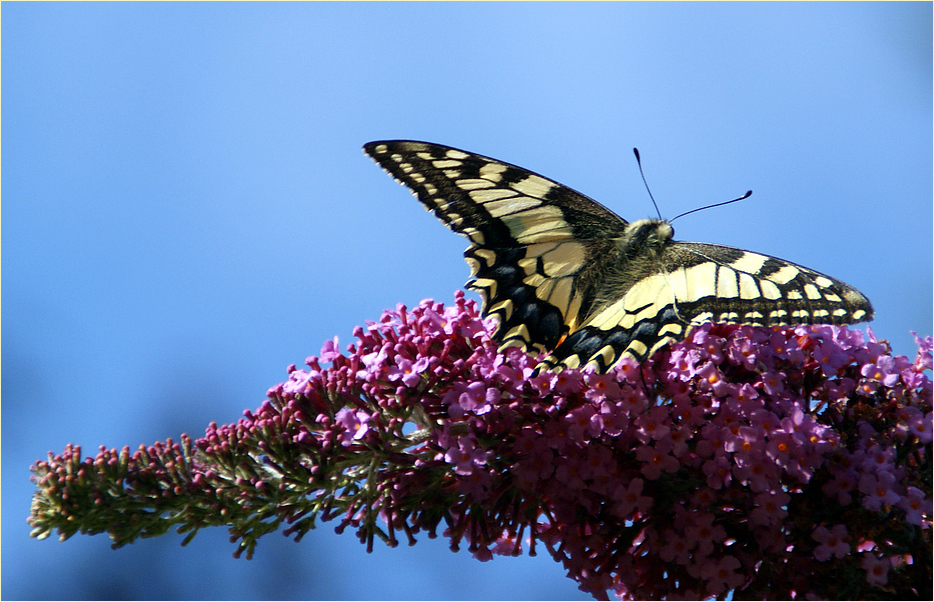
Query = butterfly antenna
x=742 y=198
x=639 y=163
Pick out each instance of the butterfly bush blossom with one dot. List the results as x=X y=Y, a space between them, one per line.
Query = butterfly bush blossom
x=746 y=462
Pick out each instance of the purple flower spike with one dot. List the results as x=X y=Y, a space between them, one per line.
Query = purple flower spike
x=737 y=463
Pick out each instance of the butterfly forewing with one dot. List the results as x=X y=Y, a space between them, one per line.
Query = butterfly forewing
x=533 y=241
x=567 y=276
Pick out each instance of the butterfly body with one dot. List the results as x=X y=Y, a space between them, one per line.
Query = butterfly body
x=565 y=275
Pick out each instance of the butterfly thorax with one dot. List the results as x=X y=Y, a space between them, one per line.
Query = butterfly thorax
x=634 y=255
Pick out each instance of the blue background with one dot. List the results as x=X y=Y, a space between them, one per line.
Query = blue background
x=187 y=211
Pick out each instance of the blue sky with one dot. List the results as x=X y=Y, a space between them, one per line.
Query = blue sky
x=188 y=211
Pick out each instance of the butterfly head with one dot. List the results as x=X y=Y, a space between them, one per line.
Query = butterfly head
x=646 y=234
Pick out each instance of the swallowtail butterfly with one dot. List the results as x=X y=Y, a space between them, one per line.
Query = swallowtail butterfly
x=565 y=275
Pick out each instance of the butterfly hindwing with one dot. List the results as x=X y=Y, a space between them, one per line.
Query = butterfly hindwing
x=723 y=284
x=565 y=275
x=697 y=283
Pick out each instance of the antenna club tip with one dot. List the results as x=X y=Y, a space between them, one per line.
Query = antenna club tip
x=748 y=194
x=636 y=152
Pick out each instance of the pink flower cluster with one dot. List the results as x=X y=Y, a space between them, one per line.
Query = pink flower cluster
x=745 y=462
x=732 y=461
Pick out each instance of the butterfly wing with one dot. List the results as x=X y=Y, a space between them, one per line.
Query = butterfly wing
x=695 y=283
x=536 y=247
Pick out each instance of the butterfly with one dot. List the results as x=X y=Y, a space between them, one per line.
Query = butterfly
x=568 y=278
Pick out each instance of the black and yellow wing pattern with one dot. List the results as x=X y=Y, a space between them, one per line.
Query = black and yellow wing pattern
x=567 y=277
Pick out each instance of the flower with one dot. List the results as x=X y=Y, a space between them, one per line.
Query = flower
x=877 y=569
x=878 y=490
x=841 y=486
x=712 y=378
x=743 y=351
x=675 y=549
x=922 y=427
x=583 y=423
x=832 y=542
x=407 y=371
x=883 y=370
x=656 y=459
x=719 y=474
x=601 y=386
x=925 y=346
x=915 y=504
x=653 y=425
x=831 y=358
x=702 y=533
x=330 y=351
x=354 y=423
x=466 y=455
x=770 y=508
x=629 y=499
x=721 y=575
